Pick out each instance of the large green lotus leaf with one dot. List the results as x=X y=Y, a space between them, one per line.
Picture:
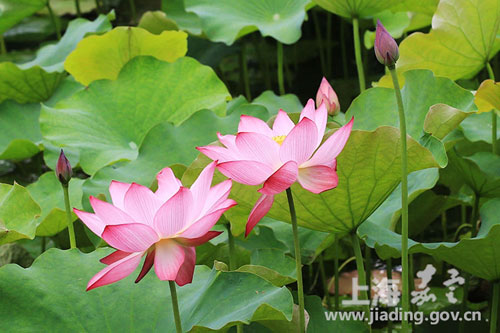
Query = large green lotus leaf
x=463 y=38
x=156 y=22
x=165 y=145
x=477 y=127
x=35 y=81
x=272 y=265
x=32 y=29
x=389 y=212
x=47 y=192
x=425 y=209
x=102 y=57
x=479 y=256
x=53 y=288
x=176 y=10
x=107 y=122
x=13 y=11
x=480 y=171
x=19 y=130
x=368 y=169
x=377 y=106
x=18 y=213
x=273 y=103
x=318 y=322
x=356 y=8
x=20 y=136
x=227 y=20
x=310 y=240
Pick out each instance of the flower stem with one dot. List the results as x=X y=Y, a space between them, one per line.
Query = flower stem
x=323 y=279
x=329 y=44
x=132 y=10
x=319 y=40
x=361 y=270
x=77 y=6
x=175 y=307
x=71 y=230
x=298 y=262
x=494 y=307
x=3 y=48
x=389 y=277
x=337 y=274
x=232 y=262
x=465 y=297
x=54 y=20
x=230 y=241
x=357 y=53
x=345 y=71
x=404 y=199
x=244 y=71
x=281 y=83
x=493 y=116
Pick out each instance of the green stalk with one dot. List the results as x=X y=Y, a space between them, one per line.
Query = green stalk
x=463 y=213
x=357 y=53
x=463 y=306
x=337 y=274
x=132 y=10
x=298 y=263
x=3 y=48
x=232 y=262
x=319 y=40
x=361 y=271
x=54 y=20
x=244 y=71
x=475 y=215
x=368 y=260
x=494 y=307
x=404 y=199
x=345 y=70
x=43 y=246
x=467 y=277
x=71 y=230
x=444 y=226
x=230 y=241
x=389 y=277
x=323 y=279
x=493 y=116
x=175 y=307
x=263 y=61
x=281 y=83
x=329 y=44
x=97 y=6
x=78 y=10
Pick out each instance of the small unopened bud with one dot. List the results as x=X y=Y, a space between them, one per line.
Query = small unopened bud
x=327 y=95
x=386 y=48
x=63 y=169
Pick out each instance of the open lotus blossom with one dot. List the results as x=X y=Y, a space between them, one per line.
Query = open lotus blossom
x=281 y=155
x=165 y=226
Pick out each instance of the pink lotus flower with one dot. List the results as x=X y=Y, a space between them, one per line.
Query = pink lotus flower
x=327 y=95
x=280 y=156
x=165 y=226
x=386 y=48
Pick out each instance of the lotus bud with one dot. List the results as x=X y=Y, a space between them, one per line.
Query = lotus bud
x=386 y=48
x=63 y=169
x=327 y=95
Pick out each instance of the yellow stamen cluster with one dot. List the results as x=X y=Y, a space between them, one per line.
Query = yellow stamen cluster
x=279 y=139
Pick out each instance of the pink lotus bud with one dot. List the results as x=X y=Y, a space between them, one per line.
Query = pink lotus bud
x=386 y=48
x=63 y=169
x=327 y=95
